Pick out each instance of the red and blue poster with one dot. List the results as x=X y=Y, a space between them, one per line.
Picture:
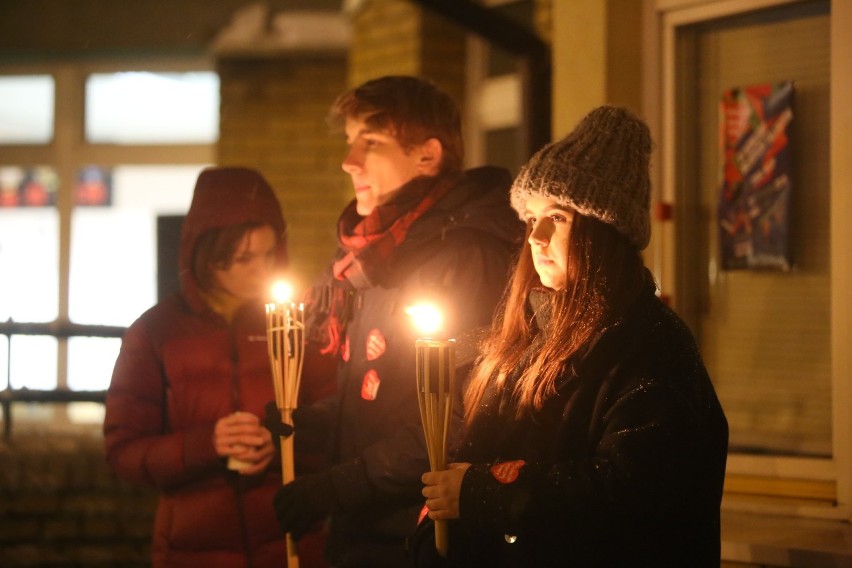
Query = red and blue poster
x=754 y=200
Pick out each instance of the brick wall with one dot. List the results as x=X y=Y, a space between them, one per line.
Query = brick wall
x=397 y=37
x=273 y=119
x=385 y=41
x=60 y=504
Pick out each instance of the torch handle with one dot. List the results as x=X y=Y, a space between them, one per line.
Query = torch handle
x=435 y=365
x=441 y=538
x=288 y=474
x=292 y=552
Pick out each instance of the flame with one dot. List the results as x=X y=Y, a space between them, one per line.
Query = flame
x=282 y=292
x=427 y=318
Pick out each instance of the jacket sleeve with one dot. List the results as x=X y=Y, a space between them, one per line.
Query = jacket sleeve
x=139 y=444
x=652 y=455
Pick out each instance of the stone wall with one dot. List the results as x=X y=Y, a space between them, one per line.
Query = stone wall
x=61 y=505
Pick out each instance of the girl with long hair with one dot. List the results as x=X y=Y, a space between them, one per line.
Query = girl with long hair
x=594 y=436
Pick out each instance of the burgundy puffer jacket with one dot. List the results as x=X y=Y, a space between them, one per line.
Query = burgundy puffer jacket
x=181 y=368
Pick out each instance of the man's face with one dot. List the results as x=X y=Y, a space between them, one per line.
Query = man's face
x=379 y=165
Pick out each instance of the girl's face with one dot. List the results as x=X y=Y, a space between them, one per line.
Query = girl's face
x=247 y=278
x=550 y=224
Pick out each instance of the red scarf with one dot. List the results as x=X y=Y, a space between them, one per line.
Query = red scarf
x=369 y=241
x=368 y=244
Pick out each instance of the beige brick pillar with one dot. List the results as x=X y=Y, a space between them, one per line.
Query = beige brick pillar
x=273 y=118
x=397 y=37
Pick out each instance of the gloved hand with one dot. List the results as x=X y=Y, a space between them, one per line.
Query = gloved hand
x=304 y=501
x=272 y=422
x=311 y=422
x=343 y=488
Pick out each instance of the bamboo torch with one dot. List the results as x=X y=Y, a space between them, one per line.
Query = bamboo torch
x=435 y=365
x=285 y=334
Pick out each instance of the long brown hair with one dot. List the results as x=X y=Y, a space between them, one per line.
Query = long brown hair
x=604 y=274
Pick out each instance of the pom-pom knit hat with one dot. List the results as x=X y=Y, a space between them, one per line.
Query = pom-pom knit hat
x=600 y=169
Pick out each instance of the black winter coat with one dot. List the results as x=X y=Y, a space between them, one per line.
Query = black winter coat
x=457 y=254
x=623 y=467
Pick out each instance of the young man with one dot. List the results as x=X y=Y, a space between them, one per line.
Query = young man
x=418 y=228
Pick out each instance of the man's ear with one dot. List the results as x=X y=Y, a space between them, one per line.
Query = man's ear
x=431 y=154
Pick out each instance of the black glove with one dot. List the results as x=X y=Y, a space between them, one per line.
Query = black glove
x=272 y=422
x=343 y=488
x=310 y=421
x=304 y=501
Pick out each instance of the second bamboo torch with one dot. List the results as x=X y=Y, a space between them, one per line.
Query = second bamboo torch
x=436 y=365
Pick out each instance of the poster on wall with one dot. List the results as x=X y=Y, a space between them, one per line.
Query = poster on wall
x=94 y=187
x=754 y=199
x=28 y=187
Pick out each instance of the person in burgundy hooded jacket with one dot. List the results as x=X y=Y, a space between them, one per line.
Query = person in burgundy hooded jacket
x=192 y=378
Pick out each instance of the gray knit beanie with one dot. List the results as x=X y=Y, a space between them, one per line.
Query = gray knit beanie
x=600 y=169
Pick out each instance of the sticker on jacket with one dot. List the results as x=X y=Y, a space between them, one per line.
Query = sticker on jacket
x=423 y=512
x=376 y=344
x=507 y=472
x=345 y=354
x=370 y=385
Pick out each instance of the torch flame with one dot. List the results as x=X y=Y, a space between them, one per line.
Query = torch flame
x=282 y=292
x=427 y=318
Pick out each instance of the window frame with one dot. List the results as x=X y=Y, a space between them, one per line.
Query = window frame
x=494 y=102
x=810 y=487
x=69 y=150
